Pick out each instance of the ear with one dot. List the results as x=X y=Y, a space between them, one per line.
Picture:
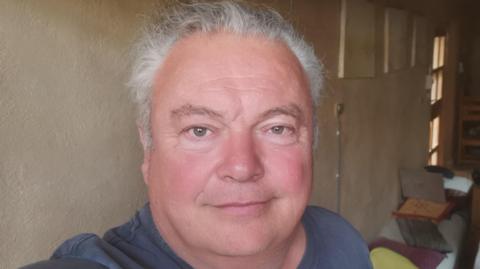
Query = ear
x=145 y=167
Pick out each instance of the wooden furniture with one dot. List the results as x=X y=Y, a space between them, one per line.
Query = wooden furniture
x=475 y=216
x=473 y=237
x=469 y=131
x=475 y=220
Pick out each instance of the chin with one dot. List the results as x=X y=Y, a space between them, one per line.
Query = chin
x=241 y=245
x=243 y=239
x=247 y=232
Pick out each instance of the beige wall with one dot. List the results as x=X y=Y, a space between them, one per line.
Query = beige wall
x=70 y=154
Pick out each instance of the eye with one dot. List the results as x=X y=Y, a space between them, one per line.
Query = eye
x=199 y=131
x=281 y=134
x=198 y=137
x=281 y=130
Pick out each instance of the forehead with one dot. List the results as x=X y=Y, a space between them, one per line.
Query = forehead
x=222 y=61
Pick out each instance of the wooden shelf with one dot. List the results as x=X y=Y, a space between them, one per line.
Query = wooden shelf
x=473 y=237
x=469 y=122
x=471 y=117
x=470 y=142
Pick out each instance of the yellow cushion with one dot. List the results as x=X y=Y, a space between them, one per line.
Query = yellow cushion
x=384 y=258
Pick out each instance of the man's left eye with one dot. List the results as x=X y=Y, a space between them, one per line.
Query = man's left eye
x=199 y=131
x=281 y=130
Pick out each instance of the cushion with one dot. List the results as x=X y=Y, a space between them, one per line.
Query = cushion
x=421 y=257
x=457 y=183
x=384 y=258
x=457 y=190
x=423 y=209
x=423 y=185
x=422 y=234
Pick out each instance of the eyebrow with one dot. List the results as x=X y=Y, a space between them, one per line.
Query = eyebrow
x=189 y=110
x=291 y=110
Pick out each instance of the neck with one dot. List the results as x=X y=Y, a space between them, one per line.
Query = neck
x=287 y=256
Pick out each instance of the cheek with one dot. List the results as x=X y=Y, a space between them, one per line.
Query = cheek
x=290 y=170
x=181 y=176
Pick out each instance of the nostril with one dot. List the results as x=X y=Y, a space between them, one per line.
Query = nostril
x=241 y=167
x=242 y=170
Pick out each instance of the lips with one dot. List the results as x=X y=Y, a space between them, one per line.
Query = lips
x=240 y=204
x=249 y=208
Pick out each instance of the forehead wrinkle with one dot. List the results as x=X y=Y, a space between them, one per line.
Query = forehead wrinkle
x=245 y=82
x=291 y=110
x=189 y=110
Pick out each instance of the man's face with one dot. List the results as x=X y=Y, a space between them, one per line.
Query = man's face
x=229 y=171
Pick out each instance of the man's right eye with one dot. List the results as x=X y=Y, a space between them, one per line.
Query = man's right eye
x=197 y=132
x=195 y=137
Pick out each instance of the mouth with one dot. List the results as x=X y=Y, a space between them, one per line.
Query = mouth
x=250 y=208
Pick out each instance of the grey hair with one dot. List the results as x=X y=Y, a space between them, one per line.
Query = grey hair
x=181 y=20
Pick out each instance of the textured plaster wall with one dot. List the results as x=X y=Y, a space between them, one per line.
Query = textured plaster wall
x=69 y=154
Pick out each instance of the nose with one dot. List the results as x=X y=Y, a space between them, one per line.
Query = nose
x=240 y=159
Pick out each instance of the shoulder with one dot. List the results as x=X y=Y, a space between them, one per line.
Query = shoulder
x=134 y=245
x=328 y=226
x=86 y=247
x=73 y=254
x=323 y=218
x=65 y=264
x=332 y=242
x=87 y=251
x=77 y=244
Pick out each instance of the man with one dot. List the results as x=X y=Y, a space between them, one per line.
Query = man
x=226 y=95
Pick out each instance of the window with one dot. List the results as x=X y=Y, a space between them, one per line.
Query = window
x=434 y=141
x=438 y=66
x=438 y=63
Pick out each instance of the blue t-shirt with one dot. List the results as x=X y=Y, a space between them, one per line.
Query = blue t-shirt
x=332 y=243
